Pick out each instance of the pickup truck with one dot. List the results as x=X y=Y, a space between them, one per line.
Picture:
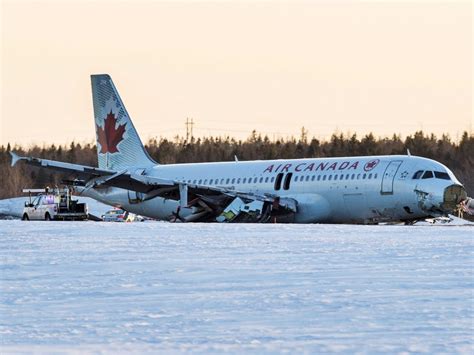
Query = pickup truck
x=56 y=205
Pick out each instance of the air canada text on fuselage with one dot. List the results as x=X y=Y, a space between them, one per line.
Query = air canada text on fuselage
x=320 y=166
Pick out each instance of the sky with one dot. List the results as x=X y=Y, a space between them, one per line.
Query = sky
x=234 y=66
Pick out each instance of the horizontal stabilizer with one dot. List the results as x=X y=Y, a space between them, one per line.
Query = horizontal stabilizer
x=15 y=158
x=81 y=170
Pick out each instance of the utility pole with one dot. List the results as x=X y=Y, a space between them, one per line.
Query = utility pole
x=189 y=129
x=304 y=135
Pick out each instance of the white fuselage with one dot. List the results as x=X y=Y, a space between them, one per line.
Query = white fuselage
x=333 y=190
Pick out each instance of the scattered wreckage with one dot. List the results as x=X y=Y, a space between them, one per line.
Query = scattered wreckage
x=466 y=207
x=237 y=207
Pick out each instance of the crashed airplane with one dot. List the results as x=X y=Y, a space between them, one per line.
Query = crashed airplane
x=367 y=189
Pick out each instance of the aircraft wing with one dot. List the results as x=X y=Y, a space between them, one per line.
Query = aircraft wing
x=210 y=203
x=135 y=182
x=79 y=170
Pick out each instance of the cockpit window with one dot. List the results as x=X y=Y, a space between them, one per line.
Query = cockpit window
x=441 y=175
x=418 y=174
x=427 y=175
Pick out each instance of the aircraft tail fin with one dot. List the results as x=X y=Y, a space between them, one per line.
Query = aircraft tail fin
x=118 y=143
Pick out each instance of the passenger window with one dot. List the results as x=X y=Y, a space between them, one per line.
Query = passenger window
x=427 y=175
x=375 y=176
x=335 y=177
x=266 y=179
x=200 y=181
x=205 y=181
x=238 y=181
x=353 y=176
x=278 y=181
x=347 y=177
x=286 y=185
x=441 y=175
x=244 y=180
x=307 y=177
x=319 y=177
x=272 y=179
x=330 y=177
x=227 y=181
x=296 y=178
x=233 y=180
x=312 y=178
x=370 y=176
x=210 y=181
x=255 y=180
x=358 y=176
x=364 y=176
x=418 y=174
x=324 y=177
x=261 y=180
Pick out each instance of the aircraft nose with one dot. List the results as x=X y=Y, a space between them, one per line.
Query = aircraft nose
x=452 y=196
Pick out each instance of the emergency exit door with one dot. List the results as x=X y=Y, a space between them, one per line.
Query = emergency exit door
x=389 y=177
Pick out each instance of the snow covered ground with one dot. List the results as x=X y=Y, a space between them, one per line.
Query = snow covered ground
x=148 y=287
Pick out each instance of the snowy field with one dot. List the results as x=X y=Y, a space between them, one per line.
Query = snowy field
x=160 y=287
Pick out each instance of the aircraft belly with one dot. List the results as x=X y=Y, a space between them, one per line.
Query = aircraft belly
x=163 y=208
x=355 y=207
x=109 y=195
x=312 y=208
x=158 y=208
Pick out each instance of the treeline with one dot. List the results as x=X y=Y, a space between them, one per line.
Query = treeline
x=458 y=156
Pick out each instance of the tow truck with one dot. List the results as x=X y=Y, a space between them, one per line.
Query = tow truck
x=56 y=204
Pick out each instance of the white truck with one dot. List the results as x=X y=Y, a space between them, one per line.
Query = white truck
x=53 y=205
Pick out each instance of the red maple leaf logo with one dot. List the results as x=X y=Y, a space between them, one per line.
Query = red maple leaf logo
x=109 y=136
x=371 y=164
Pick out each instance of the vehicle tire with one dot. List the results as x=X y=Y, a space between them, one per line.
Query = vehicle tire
x=25 y=217
x=47 y=217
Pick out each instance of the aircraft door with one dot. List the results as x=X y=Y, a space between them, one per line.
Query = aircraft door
x=389 y=177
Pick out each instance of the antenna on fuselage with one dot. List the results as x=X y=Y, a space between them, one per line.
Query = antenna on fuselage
x=408 y=152
x=235 y=158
